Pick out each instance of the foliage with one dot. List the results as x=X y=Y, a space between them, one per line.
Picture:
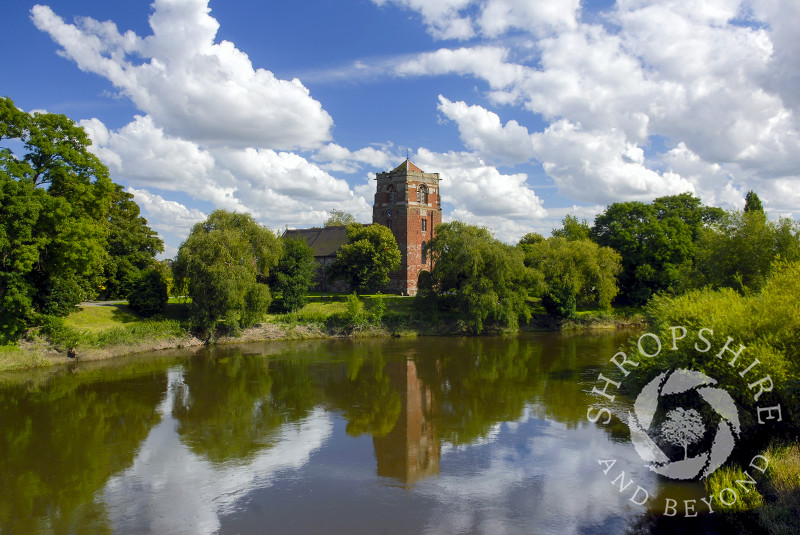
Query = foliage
x=339 y=218
x=59 y=218
x=725 y=478
x=752 y=203
x=575 y=272
x=371 y=253
x=294 y=274
x=780 y=515
x=558 y=300
x=479 y=277
x=148 y=294
x=657 y=242
x=224 y=265
x=572 y=229
x=132 y=246
x=741 y=250
x=766 y=323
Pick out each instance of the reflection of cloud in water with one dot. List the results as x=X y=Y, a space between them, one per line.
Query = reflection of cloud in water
x=522 y=477
x=169 y=489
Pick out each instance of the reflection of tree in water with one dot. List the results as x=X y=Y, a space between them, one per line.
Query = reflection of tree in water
x=477 y=385
x=60 y=443
x=230 y=407
x=363 y=392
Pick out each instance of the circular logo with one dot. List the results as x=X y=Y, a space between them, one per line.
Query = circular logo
x=681 y=426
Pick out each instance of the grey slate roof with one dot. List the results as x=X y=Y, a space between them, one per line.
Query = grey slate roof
x=324 y=241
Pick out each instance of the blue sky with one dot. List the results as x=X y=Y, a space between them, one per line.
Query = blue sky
x=528 y=109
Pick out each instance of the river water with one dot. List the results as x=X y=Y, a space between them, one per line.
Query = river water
x=427 y=435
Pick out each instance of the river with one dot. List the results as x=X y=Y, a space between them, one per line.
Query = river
x=427 y=435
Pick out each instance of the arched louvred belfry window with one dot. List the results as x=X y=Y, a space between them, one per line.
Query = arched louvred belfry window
x=392 y=193
x=422 y=194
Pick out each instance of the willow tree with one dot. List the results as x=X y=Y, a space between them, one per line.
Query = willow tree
x=223 y=266
x=477 y=276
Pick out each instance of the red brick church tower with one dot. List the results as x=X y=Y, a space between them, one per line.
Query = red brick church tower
x=407 y=201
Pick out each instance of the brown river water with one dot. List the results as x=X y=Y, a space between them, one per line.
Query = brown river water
x=428 y=435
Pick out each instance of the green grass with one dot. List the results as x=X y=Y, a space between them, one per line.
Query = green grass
x=98 y=318
x=12 y=357
x=781 y=514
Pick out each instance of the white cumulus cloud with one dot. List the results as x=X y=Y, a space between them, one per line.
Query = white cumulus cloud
x=192 y=86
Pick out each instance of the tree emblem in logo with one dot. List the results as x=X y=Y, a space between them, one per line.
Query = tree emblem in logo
x=683 y=427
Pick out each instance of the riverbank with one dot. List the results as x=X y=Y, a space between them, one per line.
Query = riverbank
x=100 y=331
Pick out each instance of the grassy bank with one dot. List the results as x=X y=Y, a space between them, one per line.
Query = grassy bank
x=101 y=331
x=772 y=505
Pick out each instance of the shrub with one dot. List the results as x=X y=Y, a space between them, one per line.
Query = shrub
x=148 y=295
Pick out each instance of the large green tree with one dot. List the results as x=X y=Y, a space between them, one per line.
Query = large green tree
x=478 y=276
x=573 y=229
x=366 y=260
x=575 y=272
x=132 y=246
x=224 y=266
x=294 y=274
x=56 y=216
x=657 y=242
x=742 y=249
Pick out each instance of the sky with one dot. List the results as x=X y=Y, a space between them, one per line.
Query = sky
x=528 y=109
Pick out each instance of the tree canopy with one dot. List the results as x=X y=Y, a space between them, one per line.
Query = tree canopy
x=224 y=266
x=657 y=242
x=339 y=217
x=575 y=272
x=60 y=216
x=742 y=249
x=294 y=273
x=752 y=203
x=478 y=276
x=366 y=260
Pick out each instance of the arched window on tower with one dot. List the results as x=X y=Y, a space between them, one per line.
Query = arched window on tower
x=422 y=194
x=424 y=253
x=392 y=193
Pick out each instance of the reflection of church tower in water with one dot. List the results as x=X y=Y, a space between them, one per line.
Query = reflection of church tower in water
x=410 y=451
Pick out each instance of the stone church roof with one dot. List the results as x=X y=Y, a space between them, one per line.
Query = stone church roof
x=407 y=166
x=324 y=241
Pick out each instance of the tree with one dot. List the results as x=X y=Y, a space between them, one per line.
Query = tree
x=224 y=266
x=148 y=293
x=371 y=253
x=55 y=217
x=339 y=218
x=657 y=242
x=478 y=276
x=132 y=245
x=572 y=229
x=752 y=203
x=742 y=250
x=683 y=428
x=575 y=272
x=294 y=274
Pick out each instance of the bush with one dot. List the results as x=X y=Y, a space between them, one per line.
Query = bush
x=148 y=295
x=62 y=336
x=559 y=301
x=355 y=314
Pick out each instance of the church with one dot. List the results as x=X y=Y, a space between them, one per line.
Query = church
x=407 y=201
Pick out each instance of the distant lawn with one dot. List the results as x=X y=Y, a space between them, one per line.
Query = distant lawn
x=94 y=319
x=98 y=318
